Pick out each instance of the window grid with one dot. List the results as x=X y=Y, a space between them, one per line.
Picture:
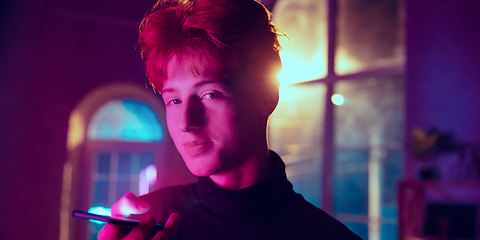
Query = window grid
x=114 y=177
x=374 y=222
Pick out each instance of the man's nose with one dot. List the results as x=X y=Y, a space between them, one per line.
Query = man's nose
x=192 y=116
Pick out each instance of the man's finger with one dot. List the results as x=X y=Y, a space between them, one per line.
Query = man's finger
x=111 y=231
x=171 y=228
x=129 y=204
x=143 y=230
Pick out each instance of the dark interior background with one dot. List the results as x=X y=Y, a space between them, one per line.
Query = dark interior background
x=53 y=52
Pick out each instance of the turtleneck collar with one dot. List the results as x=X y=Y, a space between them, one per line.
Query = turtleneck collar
x=261 y=199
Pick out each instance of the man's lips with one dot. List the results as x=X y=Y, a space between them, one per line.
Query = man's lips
x=194 y=148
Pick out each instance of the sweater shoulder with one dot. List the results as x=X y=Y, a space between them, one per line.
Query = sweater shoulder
x=320 y=223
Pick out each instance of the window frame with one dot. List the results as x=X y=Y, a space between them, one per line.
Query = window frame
x=328 y=141
x=76 y=192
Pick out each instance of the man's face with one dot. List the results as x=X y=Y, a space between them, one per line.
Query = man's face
x=216 y=125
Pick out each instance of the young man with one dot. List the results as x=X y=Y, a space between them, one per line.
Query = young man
x=214 y=62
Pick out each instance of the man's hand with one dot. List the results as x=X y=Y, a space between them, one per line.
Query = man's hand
x=131 y=204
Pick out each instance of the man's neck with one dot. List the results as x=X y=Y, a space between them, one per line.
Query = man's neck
x=254 y=170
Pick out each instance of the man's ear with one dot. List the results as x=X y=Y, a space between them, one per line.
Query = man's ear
x=269 y=101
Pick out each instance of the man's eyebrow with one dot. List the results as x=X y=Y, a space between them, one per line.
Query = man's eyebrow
x=210 y=81
x=168 y=90
x=198 y=84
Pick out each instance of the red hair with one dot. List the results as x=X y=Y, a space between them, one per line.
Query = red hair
x=222 y=37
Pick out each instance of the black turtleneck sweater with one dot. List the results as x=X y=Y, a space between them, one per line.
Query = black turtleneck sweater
x=267 y=210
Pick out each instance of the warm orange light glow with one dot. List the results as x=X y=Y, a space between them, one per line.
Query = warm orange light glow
x=298 y=68
x=304 y=52
x=344 y=62
x=289 y=96
x=76 y=130
x=65 y=201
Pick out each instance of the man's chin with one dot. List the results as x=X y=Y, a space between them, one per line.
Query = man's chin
x=200 y=172
x=198 y=169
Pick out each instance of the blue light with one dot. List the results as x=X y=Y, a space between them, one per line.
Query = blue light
x=100 y=211
x=126 y=120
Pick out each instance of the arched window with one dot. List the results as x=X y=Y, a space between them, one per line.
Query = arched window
x=118 y=142
x=118 y=166
x=126 y=120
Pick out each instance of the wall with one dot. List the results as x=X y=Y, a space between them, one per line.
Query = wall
x=443 y=69
x=52 y=54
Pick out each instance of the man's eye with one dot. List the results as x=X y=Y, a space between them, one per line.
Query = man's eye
x=209 y=96
x=175 y=101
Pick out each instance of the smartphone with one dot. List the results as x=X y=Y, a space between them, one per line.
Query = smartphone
x=123 y=222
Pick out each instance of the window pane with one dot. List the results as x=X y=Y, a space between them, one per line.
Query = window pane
x=146 y=126
x=104 y=163
x=368 y=146
x=101 y=194
x=389 y=231
x=369 y=35
x=391 y=171
x=124 y=163
x=117 y=174
x=304 y=55
x=146 y=159
x=296 y=134
x=372 y=112
x=122 y=188
x=360 y=229
x=126 y=120
x=351 y=182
